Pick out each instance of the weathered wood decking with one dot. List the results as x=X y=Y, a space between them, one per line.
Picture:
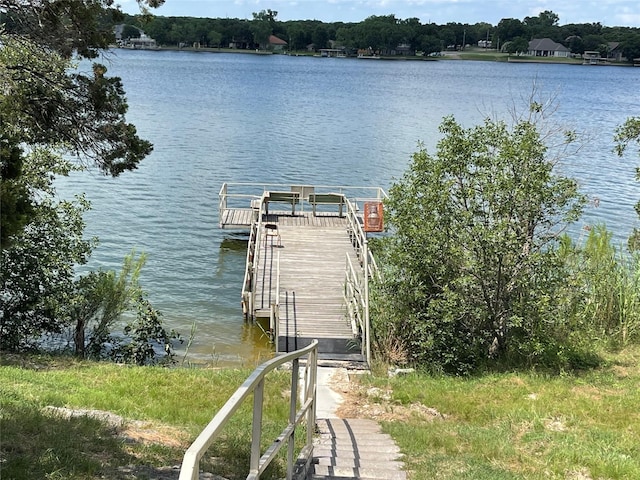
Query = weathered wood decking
x=238 y=217
x=311 y=251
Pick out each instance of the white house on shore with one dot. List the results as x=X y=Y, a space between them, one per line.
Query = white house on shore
x=142 y=42
x=545 y=47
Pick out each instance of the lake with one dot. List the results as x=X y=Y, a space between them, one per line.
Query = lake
x=216 y=117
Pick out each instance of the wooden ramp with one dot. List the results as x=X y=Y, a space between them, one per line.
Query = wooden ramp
x=309 y=252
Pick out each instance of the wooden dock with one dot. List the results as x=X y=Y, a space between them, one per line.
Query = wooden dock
x=304 y=276
x=311 y=255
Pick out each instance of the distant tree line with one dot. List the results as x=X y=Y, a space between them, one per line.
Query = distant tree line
x=383 y=33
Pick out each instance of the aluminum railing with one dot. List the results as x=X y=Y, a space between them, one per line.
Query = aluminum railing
x=356 y=305
x=240 y=195
x=252 y=266
x=274 y=314
x=298 y=414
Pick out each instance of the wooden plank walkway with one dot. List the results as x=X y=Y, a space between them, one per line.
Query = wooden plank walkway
x=312 y=253
x=237 y=217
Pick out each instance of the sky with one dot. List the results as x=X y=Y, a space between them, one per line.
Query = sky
x=609 y=13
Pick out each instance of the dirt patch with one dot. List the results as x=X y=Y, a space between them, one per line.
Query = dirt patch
x=131 y=431
x=376 y=404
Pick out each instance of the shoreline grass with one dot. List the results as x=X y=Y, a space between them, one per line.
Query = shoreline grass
x=514 y=425
x=522 y=425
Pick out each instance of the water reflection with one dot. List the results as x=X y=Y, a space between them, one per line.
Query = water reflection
x=251 y=348
x=235 y=243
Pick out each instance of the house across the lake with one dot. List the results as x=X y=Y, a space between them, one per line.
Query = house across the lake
x=276 y=44
x=594 y=57
x=545 y=47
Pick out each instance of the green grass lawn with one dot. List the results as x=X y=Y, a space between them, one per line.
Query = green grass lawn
x=516 y=425
x=523 y=425
x=168 y=408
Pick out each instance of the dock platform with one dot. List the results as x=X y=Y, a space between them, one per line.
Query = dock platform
x=307 y=255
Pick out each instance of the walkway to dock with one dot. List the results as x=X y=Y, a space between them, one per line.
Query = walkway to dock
x=311 y=253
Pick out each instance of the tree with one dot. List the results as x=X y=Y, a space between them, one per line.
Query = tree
x=575 y=44
x=98 y=301
x=45 y=103
x=298 y=38
x=510 y=28
x=517 y=45
x=543 y=20
x=631 y=47
x=430 y=44
x=129 y=31
x=347 y=37
x=626 y=134
x=594 y=42
x=470 y=270
x=320 y=37
x=51 y=113
x=262 y=26
x=214 y=38
x=38 y=273
x=379 y=33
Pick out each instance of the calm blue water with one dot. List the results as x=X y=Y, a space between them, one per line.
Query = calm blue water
x=217 y=118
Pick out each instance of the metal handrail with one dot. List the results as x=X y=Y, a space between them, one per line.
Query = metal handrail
x=369 y=266
x=222 y=199
x=353 y=296
x=253 y=259
x=256 y=257
x=247 y=296
x=274 y=316
x=255 y=384
x=359 y=236
x=229 y=199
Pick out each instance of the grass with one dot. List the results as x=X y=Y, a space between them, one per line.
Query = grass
x=521 y=425
x=168 y=406
x=515 y=425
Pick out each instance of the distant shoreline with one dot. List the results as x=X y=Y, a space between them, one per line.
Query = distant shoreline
x=474 y=55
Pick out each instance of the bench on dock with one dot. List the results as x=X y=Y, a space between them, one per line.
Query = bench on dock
x=292 y=198
x=338 y=199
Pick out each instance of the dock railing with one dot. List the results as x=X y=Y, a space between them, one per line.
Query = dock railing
x=356 y=285
x=354 y=299
x=252 y=264
x=298 y=414
x=241 y=196
x=274 y=313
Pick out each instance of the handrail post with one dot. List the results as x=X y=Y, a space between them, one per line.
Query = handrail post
x=275 y=330
x=365 y=247
x=311 y=392
x=256 y=430
x=293 y=408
